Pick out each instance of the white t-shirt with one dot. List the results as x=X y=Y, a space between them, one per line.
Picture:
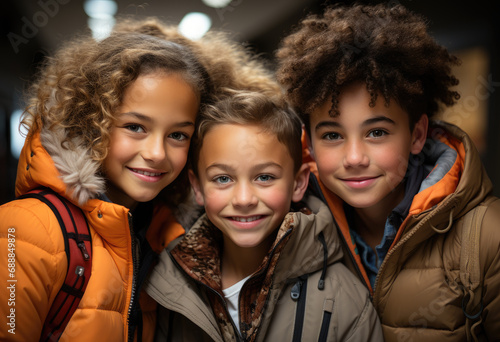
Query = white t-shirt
x=232 y=294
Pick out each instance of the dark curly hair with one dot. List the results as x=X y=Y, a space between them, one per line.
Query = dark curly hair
x=387 y=48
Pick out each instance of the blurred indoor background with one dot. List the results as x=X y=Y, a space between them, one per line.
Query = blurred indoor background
x=33 y=29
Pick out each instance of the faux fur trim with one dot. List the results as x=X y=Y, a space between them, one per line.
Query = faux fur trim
x=77 y=170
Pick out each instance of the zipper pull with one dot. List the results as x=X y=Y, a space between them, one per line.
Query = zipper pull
x=80 y=271
x=295 y=293
x=83 y=249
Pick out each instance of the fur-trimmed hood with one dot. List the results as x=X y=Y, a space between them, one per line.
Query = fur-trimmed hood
x=71 y=172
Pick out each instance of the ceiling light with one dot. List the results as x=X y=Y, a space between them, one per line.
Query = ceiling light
x=216 y=3
x=100 y=9
x=101 y=17
x=101 y=27
x=194 y=25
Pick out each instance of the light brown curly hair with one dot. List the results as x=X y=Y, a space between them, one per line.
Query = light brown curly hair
x=230 y=64
x=81 y=87
x=386 y=47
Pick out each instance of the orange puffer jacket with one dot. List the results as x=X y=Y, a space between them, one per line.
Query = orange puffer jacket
x=40 y=260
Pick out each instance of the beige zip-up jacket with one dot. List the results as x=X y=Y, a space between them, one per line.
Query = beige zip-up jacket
x=282 y=298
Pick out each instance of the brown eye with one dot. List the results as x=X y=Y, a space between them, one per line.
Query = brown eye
x=330 y=136
x=134 y=128
x=178 y=136
x=377 y=133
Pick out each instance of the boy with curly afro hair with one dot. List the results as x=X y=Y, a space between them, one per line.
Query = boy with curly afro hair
x=367 y=81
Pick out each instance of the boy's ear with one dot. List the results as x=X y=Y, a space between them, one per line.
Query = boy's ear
x=195 y=184
x=307 y=139
x=300 y=183
x=419 y=134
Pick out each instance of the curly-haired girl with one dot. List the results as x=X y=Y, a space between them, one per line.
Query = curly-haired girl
x=110 y=124
x=366 y=79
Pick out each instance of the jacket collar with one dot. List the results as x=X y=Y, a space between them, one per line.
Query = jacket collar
x=458 y=173
x=305 y=243
x=298 y=235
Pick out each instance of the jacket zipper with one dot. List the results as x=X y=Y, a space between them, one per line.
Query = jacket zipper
x=238 y=334
x=298 y=293
x=325 y=325
x=134 y=271
x=444 y=206
x=236 y=330
x=288 y=232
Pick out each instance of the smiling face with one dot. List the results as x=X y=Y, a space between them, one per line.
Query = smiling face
x=150 y=139
x=246 y=182
x=362 y=154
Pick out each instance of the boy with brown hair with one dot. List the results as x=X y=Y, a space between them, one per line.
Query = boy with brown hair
x=366 y=80
x=249 y=269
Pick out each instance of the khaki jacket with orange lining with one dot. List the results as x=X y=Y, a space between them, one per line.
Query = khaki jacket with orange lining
x=418 y=294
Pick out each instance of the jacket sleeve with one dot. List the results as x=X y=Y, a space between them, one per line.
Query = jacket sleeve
x=357 y=318
x=489 y=253
x=33 y=267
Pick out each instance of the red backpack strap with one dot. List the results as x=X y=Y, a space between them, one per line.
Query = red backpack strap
x=78 y=247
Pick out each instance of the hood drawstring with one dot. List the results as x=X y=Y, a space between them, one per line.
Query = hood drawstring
x=444 y=230
x=321 y=282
